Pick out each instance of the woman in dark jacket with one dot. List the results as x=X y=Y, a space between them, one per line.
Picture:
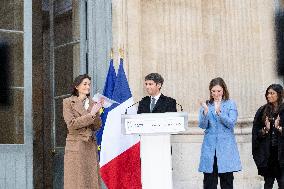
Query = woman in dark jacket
x=267 y=138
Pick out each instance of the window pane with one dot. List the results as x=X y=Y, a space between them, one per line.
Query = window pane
x=13 y=47
x=66 y=21
x=11 y=88
x=63 y=74
x=61 y=128
x=11 y=14
x=12 y=119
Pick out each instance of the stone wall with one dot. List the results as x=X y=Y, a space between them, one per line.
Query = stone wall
x=190 y=42
x=186 y=154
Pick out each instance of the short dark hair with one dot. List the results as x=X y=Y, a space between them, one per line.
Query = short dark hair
x=77 y=81
x=157 y=78
x=221 y=82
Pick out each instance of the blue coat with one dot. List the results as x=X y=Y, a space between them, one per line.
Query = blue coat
x=219 y=136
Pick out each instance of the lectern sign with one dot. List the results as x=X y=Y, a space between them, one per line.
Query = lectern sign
x=154 y=125
x=157 y=123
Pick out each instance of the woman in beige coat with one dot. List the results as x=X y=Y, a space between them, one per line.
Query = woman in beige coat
x=81 y=115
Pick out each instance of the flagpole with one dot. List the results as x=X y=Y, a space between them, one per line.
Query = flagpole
x=111 y=53
x=121 y=53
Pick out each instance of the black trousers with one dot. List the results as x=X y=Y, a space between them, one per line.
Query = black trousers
x=270 y=178
x=211 y=179
x=274 y=171
x=269 y=181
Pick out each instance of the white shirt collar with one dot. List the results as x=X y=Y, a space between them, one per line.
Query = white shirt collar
x=86 y=103
x=156 y=97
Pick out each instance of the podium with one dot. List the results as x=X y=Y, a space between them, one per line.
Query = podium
x=155 y=131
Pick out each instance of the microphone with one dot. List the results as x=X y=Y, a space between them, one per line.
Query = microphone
x=181 y=109
x=131 y=106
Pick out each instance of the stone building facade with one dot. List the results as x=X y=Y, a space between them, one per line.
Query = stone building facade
x=188 y=41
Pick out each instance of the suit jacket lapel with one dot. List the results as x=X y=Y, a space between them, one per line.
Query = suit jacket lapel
x=158 y=103
x=147 y=104
x=78 y=106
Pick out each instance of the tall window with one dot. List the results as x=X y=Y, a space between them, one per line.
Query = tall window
x=11 y=72
x=62 y=45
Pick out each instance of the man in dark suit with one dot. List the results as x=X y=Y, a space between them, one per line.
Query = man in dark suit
x=156 y=102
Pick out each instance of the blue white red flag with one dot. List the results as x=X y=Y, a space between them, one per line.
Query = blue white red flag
x=120 y=165
x=108 y=91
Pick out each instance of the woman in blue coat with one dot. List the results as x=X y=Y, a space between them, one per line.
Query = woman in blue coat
x=219 y=153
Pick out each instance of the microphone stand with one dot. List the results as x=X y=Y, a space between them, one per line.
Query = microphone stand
x=130 y=107
x=181 y=109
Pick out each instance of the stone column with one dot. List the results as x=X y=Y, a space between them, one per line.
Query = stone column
x=189 y=43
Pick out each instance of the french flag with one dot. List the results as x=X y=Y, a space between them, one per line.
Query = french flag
x=120 y=165
x=108 y=91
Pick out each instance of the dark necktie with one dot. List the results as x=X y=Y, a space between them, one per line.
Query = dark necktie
x=152 y=105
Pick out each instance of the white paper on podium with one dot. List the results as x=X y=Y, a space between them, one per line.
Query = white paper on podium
x=107 y=102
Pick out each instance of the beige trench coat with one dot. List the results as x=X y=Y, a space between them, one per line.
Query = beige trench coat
x=81 y=167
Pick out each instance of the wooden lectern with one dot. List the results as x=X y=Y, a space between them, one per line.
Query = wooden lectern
x=155 y=131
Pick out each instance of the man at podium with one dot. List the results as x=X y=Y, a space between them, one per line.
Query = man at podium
x=156 y=102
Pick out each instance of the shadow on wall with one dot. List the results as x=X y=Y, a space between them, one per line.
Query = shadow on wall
x=279 y=29
x=5 y=74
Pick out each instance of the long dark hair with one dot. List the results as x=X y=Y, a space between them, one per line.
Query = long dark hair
x=270 y=109
x=221 y=82
x=77 y=81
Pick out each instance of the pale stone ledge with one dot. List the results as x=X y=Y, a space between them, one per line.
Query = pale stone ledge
x=244 y=127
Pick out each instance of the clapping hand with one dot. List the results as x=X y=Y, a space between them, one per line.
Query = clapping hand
x=267 y=123
x=204 y=105
x=277 y=123
x=217 y=103
x=97 y=106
